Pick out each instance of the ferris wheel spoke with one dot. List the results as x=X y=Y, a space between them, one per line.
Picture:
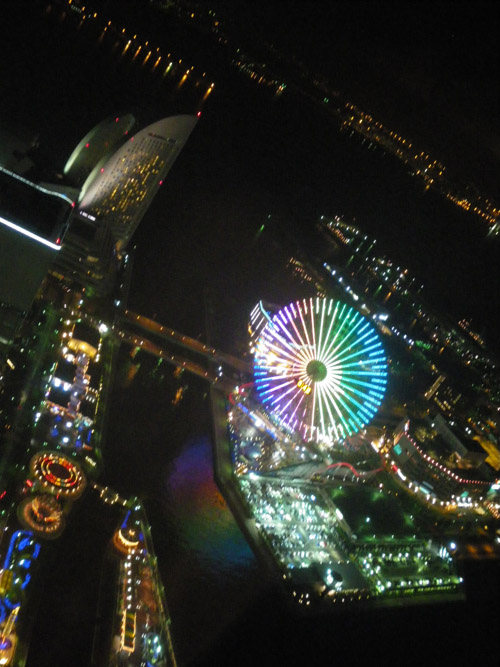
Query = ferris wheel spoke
x=313 y=326
x=320 y=368
x=281 y=396
x=275 y=388
x=299 y=401
x=342 y=343
x=339 y=397
x=333 y=320
x=278 y=324
x=295 y=400
x=298 y=343
x=281 y=347
x=365 y=411
x=313 y=407
x=339 y=328
x=364 y=343
x=304 y=327
x=358 y=340
x=321 y=406
x=321 y=329
x=330 y=398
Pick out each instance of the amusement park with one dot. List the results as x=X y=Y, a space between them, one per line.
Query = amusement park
x=326 y=474
x=323 y=491
x=248 y=336
x=319 y=367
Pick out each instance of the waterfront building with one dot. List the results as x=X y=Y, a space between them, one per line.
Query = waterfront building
x=87 y=256
x=96 y=147
x=339 y=558
x=119 y=193
x=141 y=633
x=431 y=477
x=33 y=222
x=38 y=211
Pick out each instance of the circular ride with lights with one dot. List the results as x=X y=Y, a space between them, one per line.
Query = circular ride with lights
x=126 y=540
x=42 y=514
x=58 y=474
x=320 y=369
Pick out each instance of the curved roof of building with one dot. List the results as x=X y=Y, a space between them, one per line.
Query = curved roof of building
x=100 y=142
x=121 y=190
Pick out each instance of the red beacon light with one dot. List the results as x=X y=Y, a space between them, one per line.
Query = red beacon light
x=198 y=114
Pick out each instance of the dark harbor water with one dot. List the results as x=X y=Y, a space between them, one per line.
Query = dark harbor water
x=165 y=454
x=225 y=608
x=198 y=262
x=251 y=155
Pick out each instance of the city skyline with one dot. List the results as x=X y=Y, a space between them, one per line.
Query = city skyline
x=135 y=382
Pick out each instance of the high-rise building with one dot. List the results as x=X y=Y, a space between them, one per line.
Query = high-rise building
x=119 y=193
x=33 y=221
x=41 y=211
x=88 y=254
x=96 y=147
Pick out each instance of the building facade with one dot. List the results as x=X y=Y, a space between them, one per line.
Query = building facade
x=119 y=193
x=97 y=145
x=33 y=223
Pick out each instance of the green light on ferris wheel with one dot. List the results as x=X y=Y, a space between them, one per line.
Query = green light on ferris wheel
x=320 y=368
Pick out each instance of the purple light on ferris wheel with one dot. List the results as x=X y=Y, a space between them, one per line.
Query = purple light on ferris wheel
x=319 y=368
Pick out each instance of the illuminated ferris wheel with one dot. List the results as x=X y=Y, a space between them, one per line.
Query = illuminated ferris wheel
x=320 y=368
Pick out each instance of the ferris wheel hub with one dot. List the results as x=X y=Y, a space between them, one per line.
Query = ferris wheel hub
x=316 y=370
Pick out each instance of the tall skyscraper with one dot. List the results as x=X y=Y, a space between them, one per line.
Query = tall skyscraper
x=33 y=222
x=96 y=147
x=87 y=256
x=119 y=193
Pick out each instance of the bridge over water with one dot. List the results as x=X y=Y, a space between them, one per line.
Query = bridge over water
x=161 y=341
x=160 y=331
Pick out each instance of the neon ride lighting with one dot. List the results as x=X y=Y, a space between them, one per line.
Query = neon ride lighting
x=42 y=514
x=20 y=541
x=60 y=473
x=21 y=552
x=319 y=367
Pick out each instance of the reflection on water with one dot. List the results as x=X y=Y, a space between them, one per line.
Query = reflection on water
x=210 y=573
x=208 y=529
x=164 y=453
